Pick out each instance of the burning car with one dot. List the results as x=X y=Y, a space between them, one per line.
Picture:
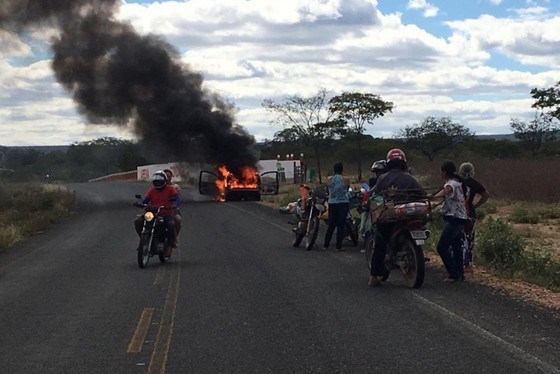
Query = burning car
x=247 y=185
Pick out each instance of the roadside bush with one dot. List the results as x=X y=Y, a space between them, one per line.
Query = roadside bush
x=435 y=226
x=30 y=208
x=551 y=213
x=287 y=193
x=540 y=268
x=522 y=215
x=9 y=235
x=499 y=245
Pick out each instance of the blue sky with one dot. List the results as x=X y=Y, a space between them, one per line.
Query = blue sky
x=473 y=60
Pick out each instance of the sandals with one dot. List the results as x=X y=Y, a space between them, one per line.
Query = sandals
x=374 y=282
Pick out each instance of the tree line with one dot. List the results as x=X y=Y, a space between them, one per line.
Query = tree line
x=80 y=162
x=318 y=122
x=323 y=127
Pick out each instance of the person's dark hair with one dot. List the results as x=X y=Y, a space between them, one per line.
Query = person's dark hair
x=337 y=168
x=397 y=164
x=449 y=168
x=168 y=171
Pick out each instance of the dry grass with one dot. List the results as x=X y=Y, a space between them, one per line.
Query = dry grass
x=28 y=208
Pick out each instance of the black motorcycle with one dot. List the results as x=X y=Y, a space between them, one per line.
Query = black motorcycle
x=155 y=238
x=352 y=224
x=404 y=249
x=307 y=213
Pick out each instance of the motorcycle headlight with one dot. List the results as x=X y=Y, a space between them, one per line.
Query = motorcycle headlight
x=148 y=216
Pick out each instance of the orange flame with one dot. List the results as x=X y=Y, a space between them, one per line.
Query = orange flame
x=248 y=179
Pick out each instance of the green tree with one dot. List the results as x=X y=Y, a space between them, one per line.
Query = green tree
x=102 y=156
x=307 y=121
x=359 y=110
x=548 y=98
x=434 y=134
x=541 y=129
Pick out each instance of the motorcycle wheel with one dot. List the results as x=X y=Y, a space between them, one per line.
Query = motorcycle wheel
x=297 y=239
x=312 y=233
x=413 y=264
x=354 y=233
x=143 y=252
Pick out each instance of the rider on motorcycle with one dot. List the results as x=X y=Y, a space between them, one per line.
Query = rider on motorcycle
x=161 y=194
x=398 y=186
x=177 y=216
x=378 y=168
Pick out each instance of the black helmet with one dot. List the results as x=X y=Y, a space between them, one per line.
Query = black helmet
x=159 y=179
x=379 y=166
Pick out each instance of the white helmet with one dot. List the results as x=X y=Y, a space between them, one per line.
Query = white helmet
x=379 y=166
x=159 y=179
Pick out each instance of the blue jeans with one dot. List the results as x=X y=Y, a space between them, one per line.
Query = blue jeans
x=337 y=219
x=450 y=246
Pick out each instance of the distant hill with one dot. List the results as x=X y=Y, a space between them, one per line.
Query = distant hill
x=42 y=148
x=64 y=148
x=509 y=137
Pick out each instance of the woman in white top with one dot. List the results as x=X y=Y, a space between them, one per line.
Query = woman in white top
x=454 y=212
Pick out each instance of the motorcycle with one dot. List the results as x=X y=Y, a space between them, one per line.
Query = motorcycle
x=352 y=224
x=154 y=238
x=307 y=211
x=404 y=248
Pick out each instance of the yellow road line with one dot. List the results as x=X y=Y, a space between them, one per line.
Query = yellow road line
x=163 y=339
x=139 y=336
x=159 y=276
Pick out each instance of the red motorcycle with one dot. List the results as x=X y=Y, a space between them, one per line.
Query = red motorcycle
x=307 y=211
x=154 y=238
x=409 y=233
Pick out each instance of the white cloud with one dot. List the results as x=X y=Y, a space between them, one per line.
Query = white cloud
x=497 y=2
x=533 y=11
x=12 y=45
x=251 y=50
x=429 y=9
x=530 y=41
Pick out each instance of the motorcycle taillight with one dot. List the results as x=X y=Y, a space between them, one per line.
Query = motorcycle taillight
x=416 y=225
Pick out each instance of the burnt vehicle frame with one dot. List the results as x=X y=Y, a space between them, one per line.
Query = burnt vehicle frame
x=267 y=184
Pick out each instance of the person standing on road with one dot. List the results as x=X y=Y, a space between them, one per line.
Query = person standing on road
x=454 y=212
x=466 y=171
x=339 y=206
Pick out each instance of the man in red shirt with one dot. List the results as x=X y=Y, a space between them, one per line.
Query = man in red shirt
x=161 y=194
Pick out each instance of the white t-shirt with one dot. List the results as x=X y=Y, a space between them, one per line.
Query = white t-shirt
x=454 y=203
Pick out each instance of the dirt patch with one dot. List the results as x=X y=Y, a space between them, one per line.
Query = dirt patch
x=543 y=236
x=516 y=289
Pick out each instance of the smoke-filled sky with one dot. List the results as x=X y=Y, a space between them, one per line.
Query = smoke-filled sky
x=474 y=60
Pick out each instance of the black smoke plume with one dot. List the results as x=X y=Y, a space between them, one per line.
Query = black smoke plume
x=117 y=76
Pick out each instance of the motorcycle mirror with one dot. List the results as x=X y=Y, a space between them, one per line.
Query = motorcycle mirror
x=138 y=196
x=365 y=186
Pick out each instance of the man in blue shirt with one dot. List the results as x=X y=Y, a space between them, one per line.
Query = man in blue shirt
x=338 y=206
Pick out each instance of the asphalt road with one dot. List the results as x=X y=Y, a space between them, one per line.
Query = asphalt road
x=237 y=298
